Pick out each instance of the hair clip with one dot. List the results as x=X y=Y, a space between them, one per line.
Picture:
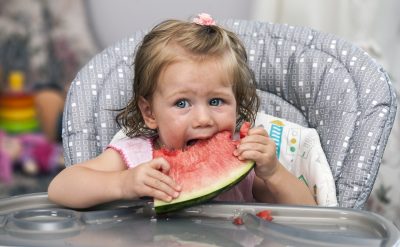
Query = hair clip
x=204 y=19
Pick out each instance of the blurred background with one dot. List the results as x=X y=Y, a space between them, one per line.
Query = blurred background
x=43 y=44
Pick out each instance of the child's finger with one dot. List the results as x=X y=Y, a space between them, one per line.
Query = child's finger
x=159 y=184
x=258 y=131
x=256 y=139
x=250 y=155
x=157 y=194
x=160 y=167
x=160 y=164
x=260 y=144
x=155 y=174
x=262 y=148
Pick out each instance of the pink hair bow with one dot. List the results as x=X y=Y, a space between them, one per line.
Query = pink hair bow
x=204 y=20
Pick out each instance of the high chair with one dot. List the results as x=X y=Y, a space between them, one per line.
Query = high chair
x=308 y=77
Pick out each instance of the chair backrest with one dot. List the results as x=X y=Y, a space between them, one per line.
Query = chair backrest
x=305 y=76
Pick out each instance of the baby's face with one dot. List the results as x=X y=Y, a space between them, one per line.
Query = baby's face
x=193 y=100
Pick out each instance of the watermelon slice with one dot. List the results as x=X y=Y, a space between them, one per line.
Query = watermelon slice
x=204 y=170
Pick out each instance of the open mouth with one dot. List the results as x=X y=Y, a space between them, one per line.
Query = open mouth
x=191 y=142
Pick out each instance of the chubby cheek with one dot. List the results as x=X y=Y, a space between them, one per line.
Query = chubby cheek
x=172 y=134
x=227 y=121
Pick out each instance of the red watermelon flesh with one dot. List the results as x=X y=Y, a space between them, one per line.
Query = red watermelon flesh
x=204 y=170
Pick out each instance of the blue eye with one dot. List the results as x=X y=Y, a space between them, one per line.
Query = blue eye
x=215 y=102
x=182 y=103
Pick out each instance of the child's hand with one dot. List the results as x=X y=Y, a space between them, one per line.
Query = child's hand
x=257 y=146
x=150 y=179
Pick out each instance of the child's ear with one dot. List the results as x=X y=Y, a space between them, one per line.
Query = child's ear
x=147 y=113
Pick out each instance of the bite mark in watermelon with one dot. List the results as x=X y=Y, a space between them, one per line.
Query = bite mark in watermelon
x=203 y=170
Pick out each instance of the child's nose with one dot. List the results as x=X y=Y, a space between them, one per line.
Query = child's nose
x=202 y=117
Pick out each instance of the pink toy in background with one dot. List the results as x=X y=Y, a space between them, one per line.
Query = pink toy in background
x=5 y=167
x=9 y=150
x=32 y=151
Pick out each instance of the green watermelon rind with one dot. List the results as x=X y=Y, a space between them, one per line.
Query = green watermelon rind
x=204 y=195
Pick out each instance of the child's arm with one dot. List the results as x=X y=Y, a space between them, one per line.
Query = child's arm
x=282 y=187
x=273 y=182
x=106 y=178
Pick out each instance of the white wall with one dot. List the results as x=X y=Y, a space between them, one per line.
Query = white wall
x=370 y=23
x=374 y=25
x=116 y=19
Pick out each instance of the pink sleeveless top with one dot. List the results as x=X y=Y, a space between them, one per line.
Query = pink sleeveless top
x=135 y=151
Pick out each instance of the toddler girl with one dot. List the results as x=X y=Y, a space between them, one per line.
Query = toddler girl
x=191 y=81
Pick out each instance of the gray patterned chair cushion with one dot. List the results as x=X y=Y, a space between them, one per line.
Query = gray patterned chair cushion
x=312 y=78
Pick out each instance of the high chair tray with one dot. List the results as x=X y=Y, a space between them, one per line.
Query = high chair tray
x=32 y=220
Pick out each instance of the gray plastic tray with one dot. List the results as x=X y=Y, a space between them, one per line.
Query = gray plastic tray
x=32 y=220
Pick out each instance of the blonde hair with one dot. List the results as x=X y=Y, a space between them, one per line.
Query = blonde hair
x=156 y=51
